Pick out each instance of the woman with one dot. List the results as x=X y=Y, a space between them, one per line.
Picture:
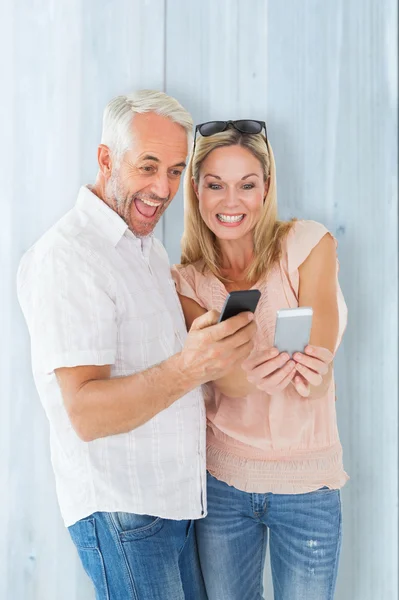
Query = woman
x=274 y=457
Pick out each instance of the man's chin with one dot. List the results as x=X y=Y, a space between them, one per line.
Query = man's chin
x=142 y=230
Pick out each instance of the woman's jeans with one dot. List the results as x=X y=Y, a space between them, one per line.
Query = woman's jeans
x=139 y=557
x=305 y=540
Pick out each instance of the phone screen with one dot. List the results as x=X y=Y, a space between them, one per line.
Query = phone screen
x=238 y=302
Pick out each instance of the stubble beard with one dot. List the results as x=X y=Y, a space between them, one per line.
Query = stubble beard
x=122 y=203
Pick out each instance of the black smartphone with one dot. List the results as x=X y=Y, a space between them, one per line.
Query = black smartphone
x=238 y=302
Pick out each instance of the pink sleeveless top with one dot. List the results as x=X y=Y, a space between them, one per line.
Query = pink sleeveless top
x=279 y=443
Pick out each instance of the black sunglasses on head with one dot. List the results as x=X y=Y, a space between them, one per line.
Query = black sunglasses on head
x=244 y=126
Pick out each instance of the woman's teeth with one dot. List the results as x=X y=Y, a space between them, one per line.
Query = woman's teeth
x=230 y=218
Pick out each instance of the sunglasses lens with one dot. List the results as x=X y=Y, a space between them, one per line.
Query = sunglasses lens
x=248 y=126
x=212 y=127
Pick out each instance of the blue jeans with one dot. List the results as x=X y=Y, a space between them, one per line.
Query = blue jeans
x=305 y=540
x=139 y=557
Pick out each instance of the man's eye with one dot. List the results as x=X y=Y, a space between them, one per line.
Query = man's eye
x=176 y=173
x=147 y=168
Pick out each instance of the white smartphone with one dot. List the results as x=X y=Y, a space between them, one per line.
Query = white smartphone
x=293 y=327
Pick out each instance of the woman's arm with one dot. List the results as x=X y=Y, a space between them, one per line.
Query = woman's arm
x=318 y=289
x=235 y=384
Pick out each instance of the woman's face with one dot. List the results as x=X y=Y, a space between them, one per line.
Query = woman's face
x=231 y=190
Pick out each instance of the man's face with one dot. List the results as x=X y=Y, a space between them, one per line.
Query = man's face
x=148 y=177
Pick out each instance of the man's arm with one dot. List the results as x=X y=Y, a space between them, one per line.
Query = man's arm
x=99 y=406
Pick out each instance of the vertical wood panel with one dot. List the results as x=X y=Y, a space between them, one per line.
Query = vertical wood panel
x=323 y=74
x=335 y=146
x=67 y=60
x=216 y=66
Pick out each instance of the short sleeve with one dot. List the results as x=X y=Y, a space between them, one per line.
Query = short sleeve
x=301 y=240
x=68 y=301
x=187 y=280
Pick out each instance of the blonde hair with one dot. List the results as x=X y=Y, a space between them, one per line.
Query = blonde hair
x=199 y=242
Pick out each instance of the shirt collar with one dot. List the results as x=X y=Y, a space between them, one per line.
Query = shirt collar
x=111 y=225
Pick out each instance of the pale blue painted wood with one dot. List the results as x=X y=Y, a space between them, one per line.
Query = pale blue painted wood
x=65 y=60
x=324 y=75
x=332 y=117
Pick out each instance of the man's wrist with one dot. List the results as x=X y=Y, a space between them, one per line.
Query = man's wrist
x=184 y=373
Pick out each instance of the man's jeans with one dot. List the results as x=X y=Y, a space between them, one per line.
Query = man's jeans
x=305 y=538
x=139 y=557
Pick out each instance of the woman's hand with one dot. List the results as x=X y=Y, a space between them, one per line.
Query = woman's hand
x=314 y=370
x=269 y=371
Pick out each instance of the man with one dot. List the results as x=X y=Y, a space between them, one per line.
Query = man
x=117 y=373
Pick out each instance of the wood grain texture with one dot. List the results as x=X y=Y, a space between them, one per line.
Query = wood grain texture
x=324 y=77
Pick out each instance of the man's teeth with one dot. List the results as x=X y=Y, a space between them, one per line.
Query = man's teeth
x=230 y=218
x=149 y=203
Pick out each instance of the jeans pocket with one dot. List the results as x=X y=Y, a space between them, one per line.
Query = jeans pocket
x=84 y=536
x=133 y=527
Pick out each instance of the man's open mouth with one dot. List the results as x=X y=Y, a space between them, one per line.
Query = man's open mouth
x=147 y=208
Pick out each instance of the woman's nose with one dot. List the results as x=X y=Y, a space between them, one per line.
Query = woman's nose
x=231 y=198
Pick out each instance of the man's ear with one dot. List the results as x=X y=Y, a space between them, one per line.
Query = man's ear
x=195 y=186
x=104 y=160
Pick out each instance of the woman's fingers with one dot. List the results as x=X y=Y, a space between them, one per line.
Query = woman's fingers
x=260 y=357
x=272 y=382
x=322 y=354
x=312 y=363
x=309 y=375
x=268 y=367
x=301 y=386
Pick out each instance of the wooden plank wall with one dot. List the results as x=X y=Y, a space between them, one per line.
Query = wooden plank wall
x=324 y=76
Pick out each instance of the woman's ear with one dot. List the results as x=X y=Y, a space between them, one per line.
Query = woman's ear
x=195 y=186
x=267 y=185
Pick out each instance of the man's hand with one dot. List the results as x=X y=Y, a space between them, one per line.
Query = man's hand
x=212 y=349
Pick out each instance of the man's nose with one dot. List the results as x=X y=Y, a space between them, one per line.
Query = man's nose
x=160 y=186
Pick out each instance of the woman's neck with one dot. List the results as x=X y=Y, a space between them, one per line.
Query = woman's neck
x=236 y=256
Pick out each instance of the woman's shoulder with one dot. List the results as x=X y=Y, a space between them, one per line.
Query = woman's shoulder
x=190 y=279
x=302 y=238
x=190 y=272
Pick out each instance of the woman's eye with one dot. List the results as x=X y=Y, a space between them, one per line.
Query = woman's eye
x=248 y=186
x=214 y=186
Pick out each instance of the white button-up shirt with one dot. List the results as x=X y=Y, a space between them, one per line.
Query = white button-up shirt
x=94 y=294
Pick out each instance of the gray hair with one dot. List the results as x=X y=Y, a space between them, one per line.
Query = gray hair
x=119 y=112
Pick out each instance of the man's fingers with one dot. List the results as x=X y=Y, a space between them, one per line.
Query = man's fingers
x=242 y=352
x=231 y=326
x=209 y=318
x=242 y=336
